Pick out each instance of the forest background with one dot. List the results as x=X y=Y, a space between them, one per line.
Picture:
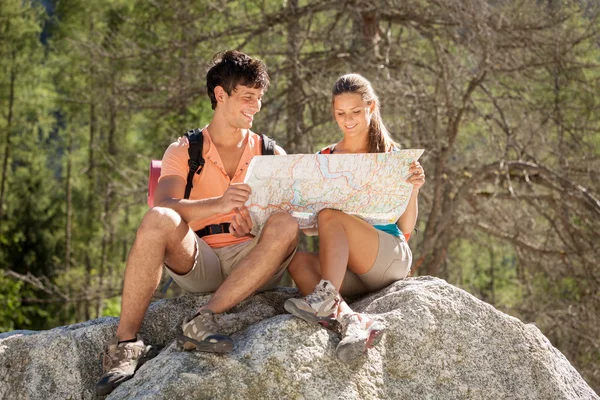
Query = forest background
x=502 y=94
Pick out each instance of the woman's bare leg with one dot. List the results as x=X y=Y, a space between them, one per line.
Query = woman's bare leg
x=306 y=272
x=345 y=242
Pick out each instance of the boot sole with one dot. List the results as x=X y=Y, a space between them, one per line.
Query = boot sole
x=326 y=322
x=223 y=344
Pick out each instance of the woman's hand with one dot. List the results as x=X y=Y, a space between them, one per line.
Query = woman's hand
x=417 y=177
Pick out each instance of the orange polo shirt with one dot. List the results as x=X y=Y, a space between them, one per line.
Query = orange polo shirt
x=213 y=181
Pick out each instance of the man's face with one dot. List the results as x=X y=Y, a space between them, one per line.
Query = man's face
x=240 y=107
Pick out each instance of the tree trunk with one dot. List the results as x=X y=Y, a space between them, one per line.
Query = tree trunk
x=370 y=34
x=108 y=223
x=297 y=139
x=91 y=177
x=69 y=192
x=7 y=146
x=492 y=289
x=296 y=135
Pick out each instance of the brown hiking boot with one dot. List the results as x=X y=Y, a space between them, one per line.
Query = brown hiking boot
x=200 y=333
x=120 y=361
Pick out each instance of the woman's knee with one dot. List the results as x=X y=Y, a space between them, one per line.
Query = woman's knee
x=329 y=215
x=283 y=226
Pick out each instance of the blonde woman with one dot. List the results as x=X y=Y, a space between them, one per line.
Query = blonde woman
x=355 y=257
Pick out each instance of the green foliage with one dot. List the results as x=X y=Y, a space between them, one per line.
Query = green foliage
x=35 y=235
x=11 y=311
x=112 y=307
x=486 y=271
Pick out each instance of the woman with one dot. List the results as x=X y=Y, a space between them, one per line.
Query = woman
x=355 y=257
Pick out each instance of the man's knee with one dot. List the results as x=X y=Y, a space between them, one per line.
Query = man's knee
x=160 y=221
x=283 y=227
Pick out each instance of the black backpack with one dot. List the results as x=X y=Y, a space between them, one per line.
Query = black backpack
x=196 y=161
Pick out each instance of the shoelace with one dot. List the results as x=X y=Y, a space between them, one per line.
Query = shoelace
x=318 y=295
x=209 y=323
x=353 y=324
x=108 y=360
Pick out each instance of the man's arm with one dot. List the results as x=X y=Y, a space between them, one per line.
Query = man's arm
x=170 y=190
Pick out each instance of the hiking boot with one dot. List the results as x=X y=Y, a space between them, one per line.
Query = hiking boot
x=359 y=333
x=321 y=306
x=120 y=361
x=200 y=333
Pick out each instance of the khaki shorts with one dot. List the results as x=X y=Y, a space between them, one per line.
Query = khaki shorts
x=392 y=264
x=212 y=266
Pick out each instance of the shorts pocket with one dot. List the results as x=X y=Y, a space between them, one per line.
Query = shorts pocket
x=397 y=271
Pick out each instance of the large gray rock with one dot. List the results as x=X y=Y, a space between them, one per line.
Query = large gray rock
x=441 y=343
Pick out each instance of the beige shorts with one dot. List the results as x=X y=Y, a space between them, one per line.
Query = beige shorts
x=392 y=264
x=212 y=266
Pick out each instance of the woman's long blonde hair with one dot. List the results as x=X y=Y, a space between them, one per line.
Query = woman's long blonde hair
x=380 y=140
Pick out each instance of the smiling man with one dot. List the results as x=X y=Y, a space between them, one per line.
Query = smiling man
x=180 y=233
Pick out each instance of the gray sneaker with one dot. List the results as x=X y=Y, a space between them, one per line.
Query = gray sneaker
x=120 y=361
x=359 y=333
x=200 y=333
x=321 y=306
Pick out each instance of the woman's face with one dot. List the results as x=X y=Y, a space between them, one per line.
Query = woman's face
x=352 y=114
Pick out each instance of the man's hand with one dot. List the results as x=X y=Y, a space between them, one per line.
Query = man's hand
x=417 y=175
x=241 y=224
x=234 y=197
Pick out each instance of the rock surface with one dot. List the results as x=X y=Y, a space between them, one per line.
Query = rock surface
x=441 y=343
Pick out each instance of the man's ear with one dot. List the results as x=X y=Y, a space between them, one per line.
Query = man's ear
x=220 y=94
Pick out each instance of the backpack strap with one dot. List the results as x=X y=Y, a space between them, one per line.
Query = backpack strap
x=268 y=146
x=196 y=161
x=326 y=150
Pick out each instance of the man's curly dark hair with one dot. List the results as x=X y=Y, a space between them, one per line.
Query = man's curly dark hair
x=231 y=68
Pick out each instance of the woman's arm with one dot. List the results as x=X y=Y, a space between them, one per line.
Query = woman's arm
x=407 y=221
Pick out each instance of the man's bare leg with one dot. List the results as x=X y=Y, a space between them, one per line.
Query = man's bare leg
x=278 y=240
x=162 y=236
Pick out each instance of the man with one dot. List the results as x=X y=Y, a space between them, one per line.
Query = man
x=170 y=232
